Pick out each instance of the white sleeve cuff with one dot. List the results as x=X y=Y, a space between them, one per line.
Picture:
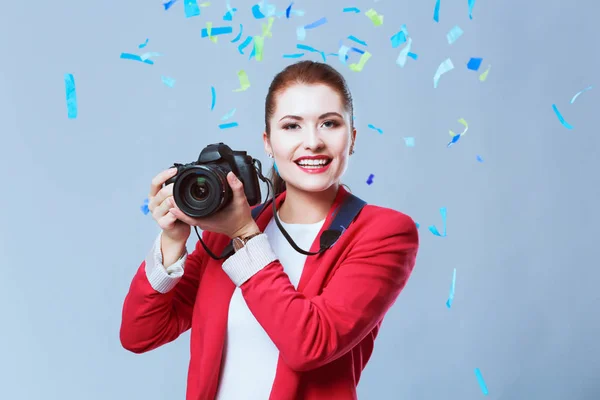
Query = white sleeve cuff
x=250 y=259
x=163 y=279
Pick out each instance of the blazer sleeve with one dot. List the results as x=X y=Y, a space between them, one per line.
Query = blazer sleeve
x=152 y=317
x=310 y=333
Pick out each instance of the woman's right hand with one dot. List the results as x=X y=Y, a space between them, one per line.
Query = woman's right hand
x=160 y=201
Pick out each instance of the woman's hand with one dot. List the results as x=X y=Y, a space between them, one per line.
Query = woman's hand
x=160 y=201
x=233 y=220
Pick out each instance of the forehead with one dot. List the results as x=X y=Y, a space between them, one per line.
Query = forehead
x=302 y=99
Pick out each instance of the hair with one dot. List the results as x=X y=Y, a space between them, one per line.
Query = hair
x=310 y=73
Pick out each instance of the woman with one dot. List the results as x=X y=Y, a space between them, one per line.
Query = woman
x=269 y=322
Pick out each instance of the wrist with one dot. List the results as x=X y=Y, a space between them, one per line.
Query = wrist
x=246 y=231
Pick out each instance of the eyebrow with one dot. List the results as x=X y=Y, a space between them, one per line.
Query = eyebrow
x=327 y=114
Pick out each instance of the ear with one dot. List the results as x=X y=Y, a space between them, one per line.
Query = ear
x=353 y=137
x=267 y=144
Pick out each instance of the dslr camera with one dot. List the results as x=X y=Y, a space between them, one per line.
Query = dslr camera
x=201 y=187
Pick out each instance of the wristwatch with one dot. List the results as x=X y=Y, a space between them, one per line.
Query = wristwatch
x=239 y=242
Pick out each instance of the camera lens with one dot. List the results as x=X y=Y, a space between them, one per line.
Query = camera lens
x=200 y=190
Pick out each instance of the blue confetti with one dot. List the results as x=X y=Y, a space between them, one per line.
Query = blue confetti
x=452 y=288
x=168 y=4
x=307 y=48
x=410 y=141
x=436 y=11
x=144 y=207
x=454 y=140
x=454 y=33
x=417 y=224
x=474 y=63
x=351 y=9
x=244 y=44
x=316 y=23
x=256 y=12
x=578 y=93
x=471 y=4
x=71 y=95
x=191 y=8
x=375 y=128
x=141 y=46
x=216 y=31
x=295 y=55
x=229 y=14
x=412 y=55
x=228 y=115
x=287 y=10
x=239 y=36
x=359 y=51
x=353 y=38
x=398 y=39
x=135 y=57
x=170 y=82
x=481 y=382
x=370 y=179
x=229 y=125
x=479 y=158
x=214 y=97
x=434 y=230
x=560 y=117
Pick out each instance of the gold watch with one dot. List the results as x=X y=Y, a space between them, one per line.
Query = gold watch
x=239 y=242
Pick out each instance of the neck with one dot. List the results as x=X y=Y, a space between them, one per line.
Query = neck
x=301 y=207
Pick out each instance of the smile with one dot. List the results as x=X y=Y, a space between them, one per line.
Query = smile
x=314 y=166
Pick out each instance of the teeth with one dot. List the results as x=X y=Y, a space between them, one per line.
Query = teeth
x=312 y=162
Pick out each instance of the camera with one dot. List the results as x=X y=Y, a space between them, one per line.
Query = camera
x=201 y=187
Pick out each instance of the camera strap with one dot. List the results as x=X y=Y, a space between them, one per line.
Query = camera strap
x=345 y=214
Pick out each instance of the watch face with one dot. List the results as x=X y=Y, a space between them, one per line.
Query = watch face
x=237 y=243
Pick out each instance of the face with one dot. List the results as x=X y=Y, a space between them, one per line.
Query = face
x=311 y=136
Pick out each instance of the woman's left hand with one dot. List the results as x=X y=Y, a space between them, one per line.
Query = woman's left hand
x=233 y=220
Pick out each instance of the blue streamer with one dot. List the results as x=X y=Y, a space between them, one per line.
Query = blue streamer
x=239 y=36
x=71 y=95
x=376 y=129
x=287 y=10
x=170 y=82
x=168 y=4
x=295 y=55
x=144 y=207
x=481 y=382
x=474 y=63
x=479 y=158
x=452 y=288
x=229 y=14
x=135 y=57
x=191 y=8
x=578 y=93
x=357 y=40
x=228 y=115
x=434 y=230
x=471 y=4
x=413 y=55
x=141 y=46
x=351 y=9
x=436 y=11
x=229 y=125
x=307 y=48
x=316 y=23
x=244 y=44
x=560 y=117
x=370 y=179
x=359 y=51
x=256 y=12
x=213 y=93
x=216 y=31
x=398 y=39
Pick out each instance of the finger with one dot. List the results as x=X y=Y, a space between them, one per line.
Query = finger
x=235 y=184
x=161 y=196
x=159 y=180
x=167 y=221
x=163 y=208
x=183 y=217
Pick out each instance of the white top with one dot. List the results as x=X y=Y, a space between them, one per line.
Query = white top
x=249 y=356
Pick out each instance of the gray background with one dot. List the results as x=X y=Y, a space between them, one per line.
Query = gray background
x=521 y=225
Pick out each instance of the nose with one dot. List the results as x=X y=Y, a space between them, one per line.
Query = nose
x=313 y=140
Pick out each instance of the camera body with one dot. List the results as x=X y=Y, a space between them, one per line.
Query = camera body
x=201 y=189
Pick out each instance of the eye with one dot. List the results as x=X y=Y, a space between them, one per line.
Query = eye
x=291 y=127
x=330 y=124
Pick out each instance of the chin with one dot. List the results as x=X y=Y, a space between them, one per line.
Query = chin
x=311 y=184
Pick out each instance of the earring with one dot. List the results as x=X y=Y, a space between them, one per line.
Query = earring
x=351 y=151
x=270 y=155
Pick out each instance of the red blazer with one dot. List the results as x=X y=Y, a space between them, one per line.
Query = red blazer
x=325 y=330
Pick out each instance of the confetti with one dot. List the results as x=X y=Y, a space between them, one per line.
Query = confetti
x=170 y=82
x=141 y=46
x=361 y=63
x=205 y=4
x=455 y=136
x=149 y=55
x=444 y=67
x=229 y=125
x=343 y=53
x=412 y=55
x=244 y=81
x=228 y=16
x=311 y=49
x=359 y=51
x=578 y=93
x=434 y=230
x=168 y=4
x=479 y=158
x=375 y=128
x=216 y=31
x=239 y=36
x=300 y=33
x=483 y=76
x=436 y=11
x=481 y=382
x=402 y=57
x=454 y=34
x=144 y=207
x=399 y=37
x=228 y=115
x=452 y=287
x=560 y=117
x=474 y=63
x=135 y=57
x=295 y=55
x=370 y=179
x=377 y=19
x=316 y=23
x=191 y=8
x=213 y=101
x=471 y=4
x=351 y=9
x=266 y=28
x=417 y=224
x=259 y=42
x=357 y=40
x=287 y=10
x=71 y=96
x=244 y=44
x=256 y=12
x=409 y=141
